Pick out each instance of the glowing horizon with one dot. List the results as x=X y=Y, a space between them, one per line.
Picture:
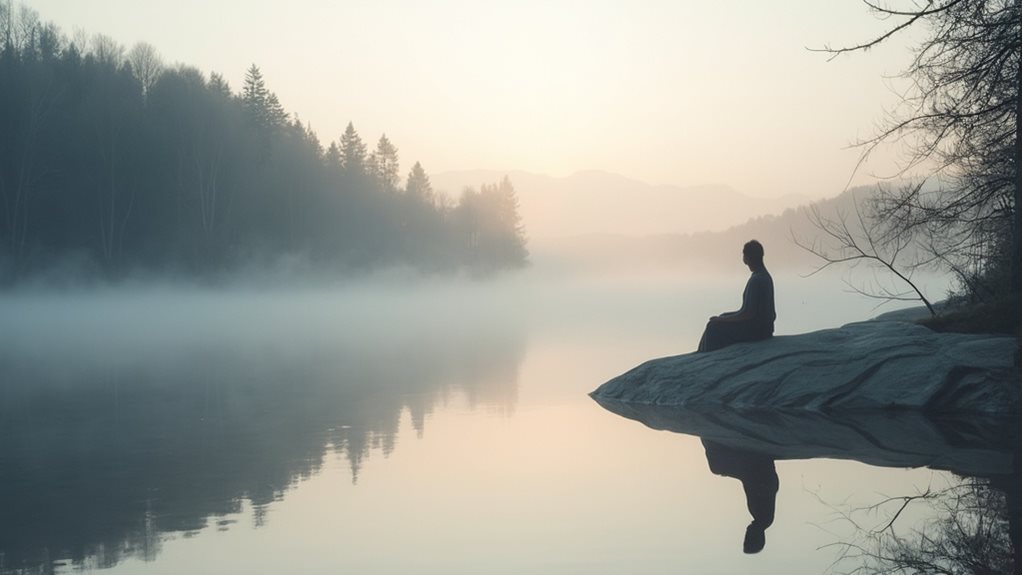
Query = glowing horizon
x=679 y=93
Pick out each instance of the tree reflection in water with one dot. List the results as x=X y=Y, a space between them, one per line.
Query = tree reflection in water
x=100 y=457
x=972 y=526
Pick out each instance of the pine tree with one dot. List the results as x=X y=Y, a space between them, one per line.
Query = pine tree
x=218 y=84
x=276 y=117
x=333 y=156
x=418 y=186
x=255 y=97
x=502 y=224
x=312 y=138
x=353 y=151
x=373 y=166
x=262 y=105
x=386 y=164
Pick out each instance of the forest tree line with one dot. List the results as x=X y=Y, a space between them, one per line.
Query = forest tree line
x=112 y=160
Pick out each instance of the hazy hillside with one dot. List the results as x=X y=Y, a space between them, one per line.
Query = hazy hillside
x=702 y=251
x=592 y=202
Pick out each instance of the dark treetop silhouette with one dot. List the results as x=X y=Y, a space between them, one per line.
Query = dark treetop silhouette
x=755 y=320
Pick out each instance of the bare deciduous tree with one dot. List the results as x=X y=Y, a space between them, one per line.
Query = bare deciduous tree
x=968 y=529
x=107 y=50
x=6 y=14
x=864 y=240
x=146 y=65
x=962 y=114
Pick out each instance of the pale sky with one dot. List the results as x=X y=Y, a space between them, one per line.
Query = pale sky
x=668 y=92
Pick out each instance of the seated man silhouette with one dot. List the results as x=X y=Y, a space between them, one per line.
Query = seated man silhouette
x=759 y=481
x=755 y=321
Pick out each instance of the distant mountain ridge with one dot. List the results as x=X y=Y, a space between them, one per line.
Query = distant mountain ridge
x=707 y=251
x=597 y=202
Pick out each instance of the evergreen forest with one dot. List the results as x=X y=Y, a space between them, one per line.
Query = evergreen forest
x=113 y=163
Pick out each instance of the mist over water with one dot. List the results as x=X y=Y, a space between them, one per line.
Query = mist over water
x=150 y=420
x=130 y=413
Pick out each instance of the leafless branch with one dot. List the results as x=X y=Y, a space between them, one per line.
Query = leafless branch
x=857 y=242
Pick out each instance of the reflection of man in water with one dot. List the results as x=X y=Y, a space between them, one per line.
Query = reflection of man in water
x=759 y=480
x=755 y=320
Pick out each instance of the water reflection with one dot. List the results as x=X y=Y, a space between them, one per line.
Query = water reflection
x=971 y=525
x=100 y=456
x=759 y=481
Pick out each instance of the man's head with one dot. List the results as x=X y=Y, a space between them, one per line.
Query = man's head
x=755 y=538
x=752 y=253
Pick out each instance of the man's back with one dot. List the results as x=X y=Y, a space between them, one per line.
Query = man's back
x=758 y=299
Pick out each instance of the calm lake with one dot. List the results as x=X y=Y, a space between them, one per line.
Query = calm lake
x=397 y=427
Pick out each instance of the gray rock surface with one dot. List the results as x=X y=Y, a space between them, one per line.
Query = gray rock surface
x=860 y=366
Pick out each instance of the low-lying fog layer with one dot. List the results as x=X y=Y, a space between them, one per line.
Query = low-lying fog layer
x=132 y=414
x=68 y=331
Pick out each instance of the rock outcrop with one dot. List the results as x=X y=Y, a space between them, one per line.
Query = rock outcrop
x=860 y=366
